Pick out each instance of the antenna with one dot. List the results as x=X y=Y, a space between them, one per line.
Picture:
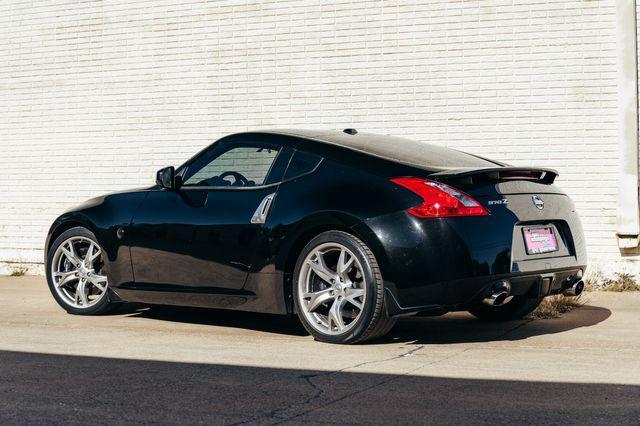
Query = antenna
x=350 y=131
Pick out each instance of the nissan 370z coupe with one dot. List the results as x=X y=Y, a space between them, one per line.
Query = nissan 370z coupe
x=347 y=230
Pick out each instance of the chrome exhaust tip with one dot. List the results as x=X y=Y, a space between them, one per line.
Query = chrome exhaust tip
x=575 y=290
x=496 y=299
x=499 y=295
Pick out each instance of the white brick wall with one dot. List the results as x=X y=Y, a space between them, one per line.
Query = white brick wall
x=95 y=96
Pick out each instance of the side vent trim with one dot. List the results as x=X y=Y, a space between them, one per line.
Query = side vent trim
x=260 y=216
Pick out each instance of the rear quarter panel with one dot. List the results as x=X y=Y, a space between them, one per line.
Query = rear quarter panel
x=336 y=195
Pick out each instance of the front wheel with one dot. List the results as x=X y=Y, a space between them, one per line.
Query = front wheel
x=339 y=291
x=516 y=308
x=75 y=273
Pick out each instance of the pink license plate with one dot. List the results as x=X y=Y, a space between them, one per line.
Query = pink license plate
x=540 y=240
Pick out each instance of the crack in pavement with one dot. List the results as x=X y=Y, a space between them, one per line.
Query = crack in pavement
x=279 y=416
x=368 y=388
x=319 y=391
x=308 y=378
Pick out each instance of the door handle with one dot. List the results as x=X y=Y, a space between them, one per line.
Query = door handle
x=260 y=216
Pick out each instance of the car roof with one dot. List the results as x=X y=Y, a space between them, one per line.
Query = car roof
x=405 y=151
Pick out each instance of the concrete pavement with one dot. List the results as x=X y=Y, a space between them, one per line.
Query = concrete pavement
x=179 y=365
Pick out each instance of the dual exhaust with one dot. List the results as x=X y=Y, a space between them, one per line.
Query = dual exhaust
x=501 y=292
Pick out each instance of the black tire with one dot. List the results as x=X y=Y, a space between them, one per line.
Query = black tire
x=517 y=308
x=104 y=305
x=373 y=321
x=385 y=325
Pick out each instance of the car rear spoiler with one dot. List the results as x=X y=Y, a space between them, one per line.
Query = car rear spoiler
x=498 y=174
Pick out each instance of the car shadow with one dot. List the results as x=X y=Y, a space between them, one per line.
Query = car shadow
x=278 y=324
x=458 y=327
x=461 y=327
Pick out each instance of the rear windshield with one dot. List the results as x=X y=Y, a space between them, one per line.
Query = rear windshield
x=423 y=155
x=437 y=156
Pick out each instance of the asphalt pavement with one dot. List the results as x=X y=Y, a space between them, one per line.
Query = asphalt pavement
x=183 y=365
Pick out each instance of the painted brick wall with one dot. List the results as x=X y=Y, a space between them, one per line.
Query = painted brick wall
x=95 y=96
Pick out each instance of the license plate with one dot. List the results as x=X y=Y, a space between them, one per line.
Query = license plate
x=540 y=240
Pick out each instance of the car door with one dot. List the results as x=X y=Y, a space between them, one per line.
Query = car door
x=202 y=236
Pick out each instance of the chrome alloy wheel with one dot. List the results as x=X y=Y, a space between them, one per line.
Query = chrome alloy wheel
x=75 y=271
x=331 y=288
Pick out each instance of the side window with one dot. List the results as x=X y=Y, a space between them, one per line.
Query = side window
x=301 y=163
x=240 y=166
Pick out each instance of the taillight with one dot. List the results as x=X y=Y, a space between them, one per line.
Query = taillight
x=440 y=200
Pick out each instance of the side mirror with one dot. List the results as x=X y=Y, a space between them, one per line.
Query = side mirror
x=166 y=177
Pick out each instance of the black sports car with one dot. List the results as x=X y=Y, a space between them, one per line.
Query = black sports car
x=346 y=230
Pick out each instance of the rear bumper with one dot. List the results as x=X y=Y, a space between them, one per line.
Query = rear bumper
x=459 y=295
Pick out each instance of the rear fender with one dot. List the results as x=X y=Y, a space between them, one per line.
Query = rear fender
x=315 y=224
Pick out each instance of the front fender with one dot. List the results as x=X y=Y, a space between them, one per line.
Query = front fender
x=104 y=216
x=64 y=222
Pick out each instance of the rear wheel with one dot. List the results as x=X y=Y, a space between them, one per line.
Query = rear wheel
x=75 y=273
x=338 y=290
x=516 y=308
